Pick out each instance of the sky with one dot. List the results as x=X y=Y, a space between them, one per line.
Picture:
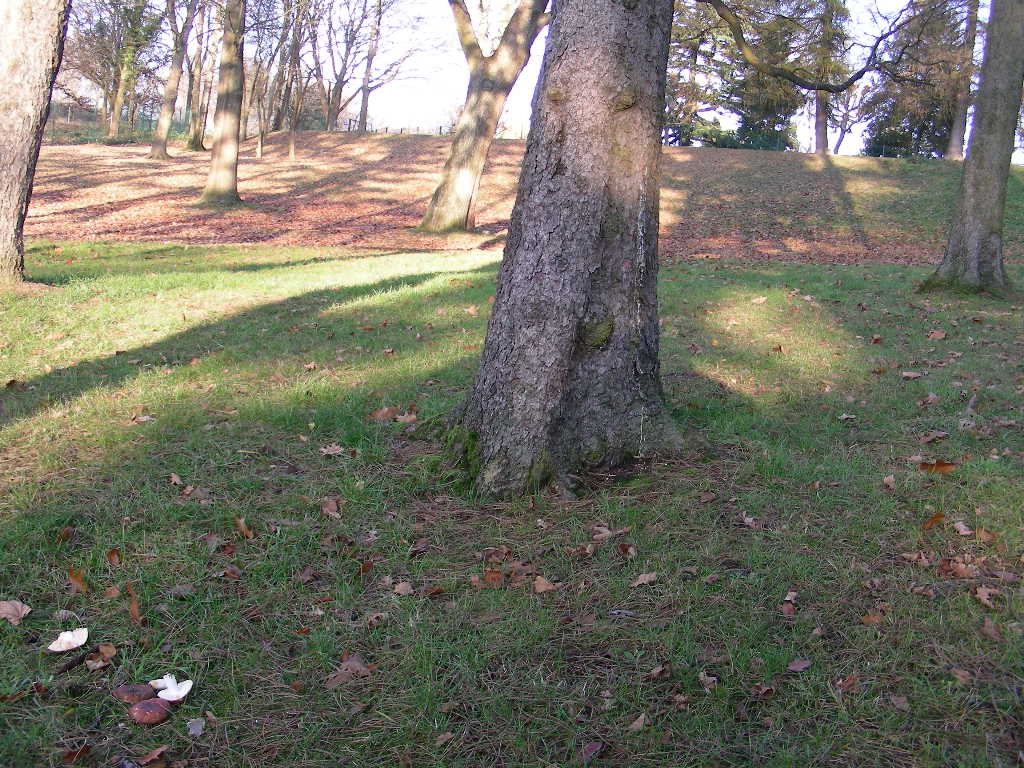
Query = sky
x=434 y=87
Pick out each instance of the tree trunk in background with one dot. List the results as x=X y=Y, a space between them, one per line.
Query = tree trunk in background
x=222 y=183
x=491 y=78
x=158 y=150
x=569 y=375
x=958 y=131
x=371 y=54
x=115 y=110
x=973 y=260
x=31 y=45
x=821 y=122
x=197 y=116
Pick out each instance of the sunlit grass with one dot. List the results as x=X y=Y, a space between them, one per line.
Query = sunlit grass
x=232 y=368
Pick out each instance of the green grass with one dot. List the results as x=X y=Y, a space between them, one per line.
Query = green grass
x=245 y=362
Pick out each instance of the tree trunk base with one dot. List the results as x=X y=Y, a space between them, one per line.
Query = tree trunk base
x=220 y=199
x=937 y=282
x=159 y=155
x=514 y=468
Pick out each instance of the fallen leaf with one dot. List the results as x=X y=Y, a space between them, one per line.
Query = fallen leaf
x=848 y=683
x=590 y=750
x=243 y=528
x=984 y=595
x=443 y=739
x=962 y=528
x=100 y=657
x=759 y=300
x=14 y=611
x=910 y=375
x=990 y=630
x=542 y=585
x=72 y=755
x=601 y=532
x=384 y=414
x=799 y=665
x=403 y=588
x=352 y=668
x=329 y=507
x=644 y=579
x=493 y=577
x=149 y=757
x=889 y=481
x=195 y=727
x=182 y=591
x=900 y=703
x=937 y=466
x=708 y=682
x=77 y=579
x=962 y=676
x=933 y=436
x=639 y=724
x=68 y=641
x=114 y=556
x=936 y=335
x=932 y=521
x=872 y=618
x=133 y=604
x=332 y=450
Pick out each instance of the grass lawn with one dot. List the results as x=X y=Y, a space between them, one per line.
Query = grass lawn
x=177 y=416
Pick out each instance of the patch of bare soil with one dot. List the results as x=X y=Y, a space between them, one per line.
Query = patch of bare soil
x=370 y=193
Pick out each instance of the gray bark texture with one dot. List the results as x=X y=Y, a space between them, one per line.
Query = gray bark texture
x=491 y=79
x=958 y=131
x=158 y=149
x=31 y=45
x=821 y=122
x=222 y=183
x=569 y=377
x=973 y=260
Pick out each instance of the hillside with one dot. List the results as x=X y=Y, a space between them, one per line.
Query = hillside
x=369 y=192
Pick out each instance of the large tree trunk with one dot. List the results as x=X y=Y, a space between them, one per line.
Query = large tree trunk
x=821 y=122
x=158 y=150
x=958 y=131
x=973 y=260
x=491 y=78
x=31 y=45
x=222 y=183
x=371 y=54
x=569 y=375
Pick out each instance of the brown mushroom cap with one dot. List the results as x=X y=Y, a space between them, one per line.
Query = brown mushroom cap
x=150 y=711
x=133 y=693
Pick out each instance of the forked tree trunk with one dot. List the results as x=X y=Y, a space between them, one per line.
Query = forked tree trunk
x=973 y=260
x=958 y=131
x=491 y=78
x=158 y=150
x=222 y=183
x=821 y=122
x=115 y=110
x=31 y=45
x=569 y=375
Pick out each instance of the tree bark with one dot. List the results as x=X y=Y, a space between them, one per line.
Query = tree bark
x=491 y=79
x=973 y=260
x=158 y=150
x=197 y=115
x=821 y=122
x=222 y=183
x=958 y=131
x=371 y=54
x=31 y=45
x=569 y=377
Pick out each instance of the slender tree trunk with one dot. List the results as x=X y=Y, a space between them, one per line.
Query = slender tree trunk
x=158 y=150
x=958 y=131
x=973 y=260
x=569 y=375
x=371 y=54
x=124 y=77
x=31 y=45
x=491 y=79
x=821 y=122
x=222 y=183
x=197 y=114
